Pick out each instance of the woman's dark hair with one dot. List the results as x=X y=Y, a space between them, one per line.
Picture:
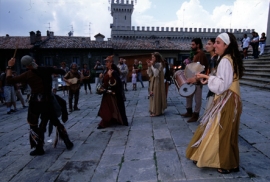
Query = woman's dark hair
x=114 y=67
x=236 y=56
x=159 y=58
x=213 y=40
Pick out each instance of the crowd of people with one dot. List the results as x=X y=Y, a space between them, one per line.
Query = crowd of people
x=255 y=42
x=215 y=142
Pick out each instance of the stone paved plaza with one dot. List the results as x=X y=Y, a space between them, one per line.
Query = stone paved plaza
x=150 y=149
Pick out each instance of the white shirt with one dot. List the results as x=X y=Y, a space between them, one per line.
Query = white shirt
x=223 y=79
x=246 y=42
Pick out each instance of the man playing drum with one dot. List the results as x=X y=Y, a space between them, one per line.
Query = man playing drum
x=196 y=46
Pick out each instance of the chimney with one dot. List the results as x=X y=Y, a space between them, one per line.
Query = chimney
x=51 y=34
x=48 y=33
x=38 y=36
x=32 y=38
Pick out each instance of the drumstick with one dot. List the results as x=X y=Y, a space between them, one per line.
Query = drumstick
x=15 y=51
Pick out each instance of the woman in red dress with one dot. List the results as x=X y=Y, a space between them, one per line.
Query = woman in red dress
x=112 y=109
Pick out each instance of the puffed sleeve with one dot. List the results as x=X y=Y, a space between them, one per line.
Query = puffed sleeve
x=223 y=79
x=154 y=70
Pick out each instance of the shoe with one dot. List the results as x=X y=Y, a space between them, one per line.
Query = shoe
x=37 y=152
x=100 y=127
x=194 y=162
x=76 y=109
x=70 y=110
x=194 y=118
x=9 y=112
x=228 y=171
x=126 y=89
x=188 y=113
x=68 y=143
x=24 y=106
x=13 y=110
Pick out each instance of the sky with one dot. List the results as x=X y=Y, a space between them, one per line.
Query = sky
x=90 y=17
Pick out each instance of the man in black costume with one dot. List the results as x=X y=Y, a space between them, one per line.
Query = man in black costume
x=42 y=102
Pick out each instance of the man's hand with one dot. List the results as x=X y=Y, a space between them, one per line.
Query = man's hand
x=11 y=62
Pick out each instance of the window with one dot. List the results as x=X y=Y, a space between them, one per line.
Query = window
x=48 y=61
x=76 y=60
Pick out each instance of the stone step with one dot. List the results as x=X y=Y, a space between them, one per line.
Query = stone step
x=256 y=62
x=257 y=74
x=259 y=69
x=255 y=84
x=256 y=79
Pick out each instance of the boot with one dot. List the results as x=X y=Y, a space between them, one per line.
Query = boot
x=194 y=118
x=64 y=136
x=68 y=143
x=38 y=151
x=188 y=113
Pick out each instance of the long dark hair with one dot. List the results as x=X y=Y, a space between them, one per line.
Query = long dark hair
x=158 y=57
x=235 y=54
x=115 y=68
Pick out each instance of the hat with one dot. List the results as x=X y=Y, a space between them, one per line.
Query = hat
x=109 y=58
x=28 y=61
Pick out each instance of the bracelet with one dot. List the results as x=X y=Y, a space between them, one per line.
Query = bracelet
x=9 y=67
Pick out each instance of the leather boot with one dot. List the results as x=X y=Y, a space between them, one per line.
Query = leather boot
x=38 y=151
x=194 y=118
x=64 y=136
x=188 y=113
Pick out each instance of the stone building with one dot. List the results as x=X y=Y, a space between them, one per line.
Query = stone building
x=126 y=41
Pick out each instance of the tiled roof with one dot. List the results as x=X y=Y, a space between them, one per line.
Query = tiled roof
x=11 y=42
x=72 y=42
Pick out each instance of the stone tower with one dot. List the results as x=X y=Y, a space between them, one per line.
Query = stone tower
x=121 y=11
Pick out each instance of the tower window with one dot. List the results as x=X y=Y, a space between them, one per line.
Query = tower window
x=125 y=17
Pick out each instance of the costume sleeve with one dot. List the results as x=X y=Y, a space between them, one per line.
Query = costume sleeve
x=155 y=69
x=17 y=79
x=224 y=78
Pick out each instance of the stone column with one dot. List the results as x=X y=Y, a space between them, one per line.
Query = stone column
x=267 y=46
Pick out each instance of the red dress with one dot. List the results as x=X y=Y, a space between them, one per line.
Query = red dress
x=112 y=108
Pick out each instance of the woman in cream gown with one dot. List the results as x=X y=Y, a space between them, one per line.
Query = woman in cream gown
x=157 y=95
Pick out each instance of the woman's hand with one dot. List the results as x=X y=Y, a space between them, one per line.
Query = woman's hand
x=199 y=76
x=203 y=78
x=149 y=62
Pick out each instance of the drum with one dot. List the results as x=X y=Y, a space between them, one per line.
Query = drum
x=183 y=87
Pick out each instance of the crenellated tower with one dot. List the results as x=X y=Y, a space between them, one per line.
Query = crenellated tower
x=121 y=11
x=121 y=28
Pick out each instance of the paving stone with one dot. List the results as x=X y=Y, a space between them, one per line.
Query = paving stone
x=78 y=171
x=49 y=176
x=138 y=170
x=163 y=144
x=161 y=133
x=264 y=148
x=169 y=166
x=105 y=174
x=255 y=164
